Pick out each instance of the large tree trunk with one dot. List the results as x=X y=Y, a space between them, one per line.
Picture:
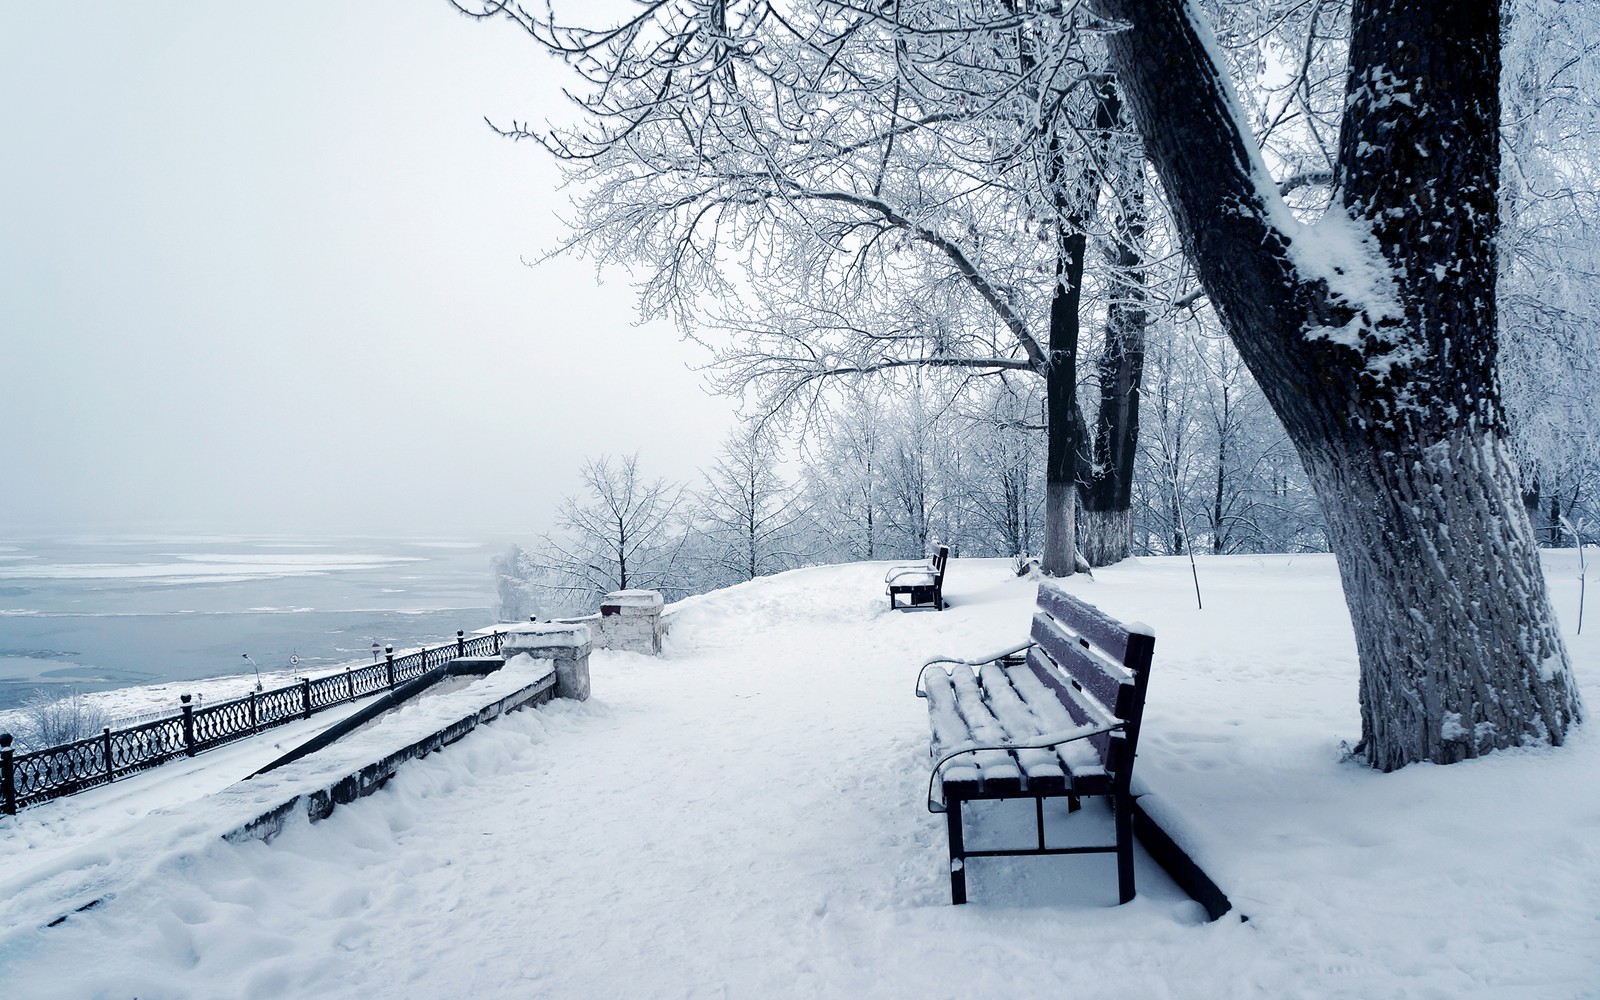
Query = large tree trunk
x=1061 y=410
x=1106 y=485
x=1447 y=598
x=1219 y=495
x=1373 y=336
x=1106 y=482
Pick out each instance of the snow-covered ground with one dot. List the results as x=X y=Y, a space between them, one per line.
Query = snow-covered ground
x=744 y=817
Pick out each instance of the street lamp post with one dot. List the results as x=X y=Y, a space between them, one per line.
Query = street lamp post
x=255 y=668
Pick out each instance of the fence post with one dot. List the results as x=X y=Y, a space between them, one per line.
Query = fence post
x=105 y=745
x=461 y=642
x=254 y=724
x=305 y=696
x=349 y=685
x=388 y=651
x=497 y=642
x=188 y=724
x=8 y=774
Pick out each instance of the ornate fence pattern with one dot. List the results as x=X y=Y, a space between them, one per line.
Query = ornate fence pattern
x=41 y=775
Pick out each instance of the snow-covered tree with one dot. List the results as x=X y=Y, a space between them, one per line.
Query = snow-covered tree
x=620 y=532
x=844 y=458
x=849 y=191
x=1168 y=488
x=513 y=578
x=1550 y=256
x=50 y=720
x=889 y=475
x=1105 y=477
x=748 y=520
x=1374 y=335
x=1001 y=488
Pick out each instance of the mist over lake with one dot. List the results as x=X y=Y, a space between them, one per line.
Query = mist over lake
x=98 y=612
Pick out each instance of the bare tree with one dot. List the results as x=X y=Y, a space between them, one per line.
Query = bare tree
x=1105 y=477
x=1001 y=488
x=914 y=478
x=50 y=720
x=844 y=465
x=1169 y=486
x=621 y=532
x=748 y=518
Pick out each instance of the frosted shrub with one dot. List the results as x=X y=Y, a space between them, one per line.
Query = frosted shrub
x=49 y=722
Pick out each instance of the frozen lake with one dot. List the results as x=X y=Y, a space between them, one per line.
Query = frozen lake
x=103 y=612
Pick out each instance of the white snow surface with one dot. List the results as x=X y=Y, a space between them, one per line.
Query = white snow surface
x=634 y=599
x=744 y=817
x=545 y=635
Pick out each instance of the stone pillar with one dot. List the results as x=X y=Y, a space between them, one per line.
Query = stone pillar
x=567 y=645
x=631 y=620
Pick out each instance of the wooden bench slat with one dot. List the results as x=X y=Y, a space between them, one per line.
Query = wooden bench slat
x=1098 y=676
x=950 y=697
x=954 y=730
x=999 y=769
x=1081 y=758
x=1019 y=722
x=949 y=730
x=961 y=781
x=1087 y=620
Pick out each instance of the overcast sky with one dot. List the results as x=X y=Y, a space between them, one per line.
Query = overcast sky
x=261 y=270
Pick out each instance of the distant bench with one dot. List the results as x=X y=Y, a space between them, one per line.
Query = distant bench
x=920 y=583
x=1057 y=716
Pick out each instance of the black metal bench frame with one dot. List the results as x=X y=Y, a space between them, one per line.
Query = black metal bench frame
x=918 y=594
x=1097 y=669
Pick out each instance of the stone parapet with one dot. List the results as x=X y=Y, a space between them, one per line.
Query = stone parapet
x=567 y=645
x=630 y=620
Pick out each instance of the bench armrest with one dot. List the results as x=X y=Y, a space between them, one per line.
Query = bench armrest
x=980 y=661
x=1041 y=742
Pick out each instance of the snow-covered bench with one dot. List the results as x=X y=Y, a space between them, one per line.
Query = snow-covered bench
x=921 y=583
x=1057 y=716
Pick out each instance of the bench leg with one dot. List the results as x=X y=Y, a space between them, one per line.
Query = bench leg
x=958 y=859
x=1124 y=811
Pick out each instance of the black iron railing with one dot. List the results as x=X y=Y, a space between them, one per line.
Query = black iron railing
x=40 y=775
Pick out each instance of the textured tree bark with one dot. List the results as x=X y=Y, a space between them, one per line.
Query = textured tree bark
x=1105 y=536
x=1447 y=597
x=1373 y=335
x=1061 y=411
x=1106 y=483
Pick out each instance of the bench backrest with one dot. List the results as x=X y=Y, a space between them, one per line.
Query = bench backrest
x=940 y=557
x=1097 y=666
